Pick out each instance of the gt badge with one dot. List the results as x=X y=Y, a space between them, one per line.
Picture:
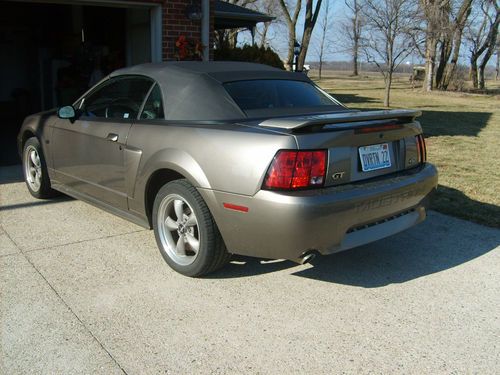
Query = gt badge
x=338 y=175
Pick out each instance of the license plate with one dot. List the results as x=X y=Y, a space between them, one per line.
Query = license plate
x=375 y=157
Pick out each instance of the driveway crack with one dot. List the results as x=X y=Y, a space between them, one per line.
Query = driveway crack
x=67 y=305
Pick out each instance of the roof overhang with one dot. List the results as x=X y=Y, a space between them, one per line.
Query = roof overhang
x=230 y=16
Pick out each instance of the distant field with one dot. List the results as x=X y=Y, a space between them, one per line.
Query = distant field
x=462 y=134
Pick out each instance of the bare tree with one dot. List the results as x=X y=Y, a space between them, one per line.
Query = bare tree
x=324 y=45
x=483 y=40
x=434 y=13
x=311 y=17
x=388 y=43
x=265 y=31
x=291 y=19
x=491 y=40
x=352 y=28
x=497 y=68
x=450 y=44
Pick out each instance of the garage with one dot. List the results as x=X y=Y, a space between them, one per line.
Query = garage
x=53 y=51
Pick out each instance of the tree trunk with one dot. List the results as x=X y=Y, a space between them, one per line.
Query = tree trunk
x=355 y=58
x=445 y=52
x=484 y=62
x=388 y=83
x=356 y=29
x=436 y=16
x=450 y=70
x=320 y=67
x=461 y=19
x=263 y=39
x=306 y=38
x=492 y=43
x=290 y=55
x=430 y=63
x=473 y=72
x=291 y=22
x=233 y=38
x=497 y=70
x=309 y=22
x=480 y=78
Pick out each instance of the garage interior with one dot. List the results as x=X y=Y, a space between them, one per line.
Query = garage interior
x=52 y=52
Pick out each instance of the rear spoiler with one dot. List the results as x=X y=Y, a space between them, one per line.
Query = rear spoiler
x=346 y=117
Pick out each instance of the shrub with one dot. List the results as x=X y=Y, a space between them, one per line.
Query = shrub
x=248 y=53
x=457 y=82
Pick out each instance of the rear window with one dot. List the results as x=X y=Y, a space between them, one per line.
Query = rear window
x=273 y=93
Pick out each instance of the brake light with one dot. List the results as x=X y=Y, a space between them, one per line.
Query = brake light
x=421 y=149
x=296 y=170
x=374 y=129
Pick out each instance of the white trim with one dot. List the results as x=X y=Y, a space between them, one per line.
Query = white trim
x=106 y=3
x=156 y=34
x=205 y=29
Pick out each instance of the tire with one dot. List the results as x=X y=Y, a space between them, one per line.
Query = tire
x=35 y=170
x=191 y=245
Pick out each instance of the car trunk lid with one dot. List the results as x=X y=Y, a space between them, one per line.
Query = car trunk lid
x=361 y=145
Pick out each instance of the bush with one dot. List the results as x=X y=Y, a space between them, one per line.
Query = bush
x=248 y=53
x=457 y=82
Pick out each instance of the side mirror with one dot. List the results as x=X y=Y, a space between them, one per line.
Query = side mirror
x=66 y=112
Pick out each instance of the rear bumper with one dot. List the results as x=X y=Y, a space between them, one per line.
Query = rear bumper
x=286 y=225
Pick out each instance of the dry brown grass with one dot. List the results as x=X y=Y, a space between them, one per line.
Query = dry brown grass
x=462 y=133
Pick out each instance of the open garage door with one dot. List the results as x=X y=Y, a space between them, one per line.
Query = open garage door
x=52 y=52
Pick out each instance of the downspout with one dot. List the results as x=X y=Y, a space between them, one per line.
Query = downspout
x=205 y=28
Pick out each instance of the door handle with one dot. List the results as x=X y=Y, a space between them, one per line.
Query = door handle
x=112 y=137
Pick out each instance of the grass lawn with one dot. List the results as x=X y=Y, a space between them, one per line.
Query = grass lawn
x=462 y=134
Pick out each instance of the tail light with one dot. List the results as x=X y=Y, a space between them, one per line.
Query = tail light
x=296 y=170
x=421 y=149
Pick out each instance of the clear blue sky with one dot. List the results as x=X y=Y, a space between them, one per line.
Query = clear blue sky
x=339 y=11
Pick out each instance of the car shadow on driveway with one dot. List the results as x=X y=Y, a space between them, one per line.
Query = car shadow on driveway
x=440 y=243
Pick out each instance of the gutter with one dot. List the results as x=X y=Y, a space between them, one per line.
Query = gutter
x=205 y=29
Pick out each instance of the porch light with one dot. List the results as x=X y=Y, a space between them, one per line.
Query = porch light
x=296 y=48
x=193 y=12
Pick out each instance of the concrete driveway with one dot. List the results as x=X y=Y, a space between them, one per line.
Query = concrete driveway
x=82 y=291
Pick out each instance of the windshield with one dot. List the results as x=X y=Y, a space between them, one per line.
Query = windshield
x=265 y=94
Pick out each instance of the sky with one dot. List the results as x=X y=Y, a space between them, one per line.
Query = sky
x=336 y=52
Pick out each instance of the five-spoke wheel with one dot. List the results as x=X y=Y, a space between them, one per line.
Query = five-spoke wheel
x=185 y=230
x=35 y=170
x=178 y=229
x=32 y=168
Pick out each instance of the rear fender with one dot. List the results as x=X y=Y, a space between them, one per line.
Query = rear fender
x=174 y=159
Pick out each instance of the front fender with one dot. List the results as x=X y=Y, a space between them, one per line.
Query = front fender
x=38 y=125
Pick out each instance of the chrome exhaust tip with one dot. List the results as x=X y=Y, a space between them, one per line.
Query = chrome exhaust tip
x=307 y=257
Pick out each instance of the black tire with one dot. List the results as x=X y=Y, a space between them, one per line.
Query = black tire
x=41 y=190
x=212 y=253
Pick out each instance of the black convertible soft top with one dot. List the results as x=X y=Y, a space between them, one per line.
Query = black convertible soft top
x=193 y=90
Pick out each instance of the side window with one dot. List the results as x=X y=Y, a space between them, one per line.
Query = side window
x=120 y=99
x=153 y=108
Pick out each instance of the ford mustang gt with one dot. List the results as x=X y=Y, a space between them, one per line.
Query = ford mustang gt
x=222 y=158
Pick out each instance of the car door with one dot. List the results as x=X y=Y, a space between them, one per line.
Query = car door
x=88 y=152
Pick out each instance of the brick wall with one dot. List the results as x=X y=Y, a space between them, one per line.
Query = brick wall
x=175 y=23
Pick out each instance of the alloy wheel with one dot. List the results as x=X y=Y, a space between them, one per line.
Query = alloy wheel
x=33 y=168
x=178 y=229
